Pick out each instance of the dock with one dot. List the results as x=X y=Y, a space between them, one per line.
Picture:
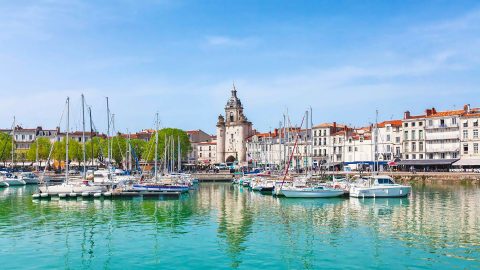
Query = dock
x=110 y=195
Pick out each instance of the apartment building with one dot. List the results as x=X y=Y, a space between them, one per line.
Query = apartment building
x=413 y=138
x=469 y=138
x=323 y=142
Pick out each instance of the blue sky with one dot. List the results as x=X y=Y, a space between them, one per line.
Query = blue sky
x=344 y=58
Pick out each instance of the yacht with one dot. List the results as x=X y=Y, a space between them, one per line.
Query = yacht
x=12 y=180
x=30 y=178
x=378 y=186
x=312 y=192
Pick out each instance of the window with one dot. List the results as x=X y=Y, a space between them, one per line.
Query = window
x=413 y=135
x=475 y=124
x=420 y=146
x=475 y=148
x=356 y=149
x=454 y=155
x=414 y=156
x=420 y=156
x=397 y=151
x=465 y=134
x=405 y=133
x=414 y=147
x=420 y=134
x=413 y=124
x=475 y=133
x=388 y=148
x=465 y=148
x=454 y=121
x=442 y=155
x=200 y=154
x=420 y=124
x=406 y=156
x=442 y=122
x=405 y=125
x=388 y=128
x=430 y=156
x=430 y=123
x=349 y=149
x=465 y=124
x=388 y=137
x=397 y=139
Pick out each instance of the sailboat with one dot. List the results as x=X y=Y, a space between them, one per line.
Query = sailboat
x=168 y=183
x=72 y=189
x=303 y=191
x=378 y=186
x=10 y=178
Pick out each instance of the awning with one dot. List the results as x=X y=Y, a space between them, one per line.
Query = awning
x=331 y=164
x=366 y=162
x=426 y=162
x=467 y=162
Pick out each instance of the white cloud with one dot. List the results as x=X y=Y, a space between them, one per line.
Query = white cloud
x=225 y=41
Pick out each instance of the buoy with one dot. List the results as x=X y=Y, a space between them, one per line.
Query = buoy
x=62 y=195
x=36 y=196
x=44 y=195
x=85 y=194
x=97 y=195
x=72 y=194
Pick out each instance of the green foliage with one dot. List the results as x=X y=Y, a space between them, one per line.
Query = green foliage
x=119 y=148
x=167 y=133
x=138 y=146
x=5 y=147
x=43 y=149
x=74 y=150
x=95 y=144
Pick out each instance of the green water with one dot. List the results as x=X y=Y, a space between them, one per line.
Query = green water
x=221 y=226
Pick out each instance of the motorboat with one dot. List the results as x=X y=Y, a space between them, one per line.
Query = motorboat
x=378 y=186
x=3 y=184
x=13 y=180
x=30 y=178
x=312 y=192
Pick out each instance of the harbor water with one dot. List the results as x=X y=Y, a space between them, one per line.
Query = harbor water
x=221 y=226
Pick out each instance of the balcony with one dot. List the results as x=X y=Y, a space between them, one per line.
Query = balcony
x=440 y=148
x=430 y=136
x=444 y=126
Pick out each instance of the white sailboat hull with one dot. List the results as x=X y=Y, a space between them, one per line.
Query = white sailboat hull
x=14 y=182
x=4 y=184
x=380 y=192
x=68 y=188
x=312 y=193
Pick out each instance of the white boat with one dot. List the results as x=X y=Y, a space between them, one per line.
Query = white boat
x=378 y=186
x=30 y=178
x=3 y=184
x=12 y=180
x=67 y=188
x=312 y=192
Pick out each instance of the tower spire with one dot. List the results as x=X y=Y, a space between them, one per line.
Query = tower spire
x=234 y=90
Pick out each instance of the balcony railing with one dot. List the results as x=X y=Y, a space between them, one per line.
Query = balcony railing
x=439 y=126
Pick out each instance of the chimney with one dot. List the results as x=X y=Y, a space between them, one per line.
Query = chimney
x=334 y=126
x=406 y=115
x=428 y=112
x=434 y=111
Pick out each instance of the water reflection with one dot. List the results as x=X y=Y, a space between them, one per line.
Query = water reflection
x=224 y=226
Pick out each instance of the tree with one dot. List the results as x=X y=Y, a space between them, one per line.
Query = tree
x=94 y=146
x=119 y=148
x=44 y=146
x=169 y=133
x=138 y=147
x=5 y=147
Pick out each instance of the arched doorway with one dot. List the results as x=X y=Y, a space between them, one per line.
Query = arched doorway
x=230 y=159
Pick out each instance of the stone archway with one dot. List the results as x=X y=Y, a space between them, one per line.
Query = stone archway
x=230 y=159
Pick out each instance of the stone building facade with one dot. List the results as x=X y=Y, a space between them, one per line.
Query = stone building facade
x=232 y=131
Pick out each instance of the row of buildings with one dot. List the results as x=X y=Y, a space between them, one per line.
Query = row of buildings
x=431 y=140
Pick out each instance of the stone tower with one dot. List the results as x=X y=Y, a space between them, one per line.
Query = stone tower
x=232 y=132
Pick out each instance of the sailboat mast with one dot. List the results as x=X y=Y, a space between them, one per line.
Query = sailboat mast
x=91 y=132
x=156 y=145
x=165 y=155
x=179 y=163
x=13 y=143
x=311 y=138
x=66 y=140
x=376 y=144
x=36 y=153
x=83 y=138
x=108 y=133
